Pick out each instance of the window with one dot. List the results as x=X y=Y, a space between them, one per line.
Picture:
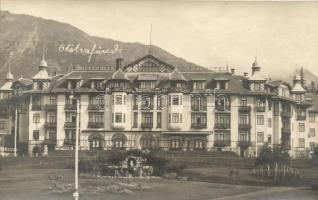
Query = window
x=36 y=135
x=175 y=144
x=269 y=139
x=176 y=100
x=243 y=119
x=312 y=146
x=198 y=118
x=301 y=127
x=260 y=120
x=96 y=117
x=119 y=117
x=175 y=117
x=269 y=122
x=147 y=118
x=70 y=117
x=52 y=135
x=260 y=137
x=301 y=142
x=312 y=117
x=119 y=99
x=257 y=86
x=36 y=118
x=269 y=105
x=159 y=120
x=198 y=85
x=222 y=119
x=222 y=136
x=243 y=137
x=52 y=117
x=147 y=85
x=312 y=132
x=52 y=100
x=2 y=125
x=135 y=120
x=299 y=97
x=243 y=102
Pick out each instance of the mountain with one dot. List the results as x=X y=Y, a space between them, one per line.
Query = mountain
x=23 y=38
x=289 y=76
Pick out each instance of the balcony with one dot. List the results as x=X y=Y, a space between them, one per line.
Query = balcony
x=285 y=130
x=175 y=126
x=118 y=125
x=69 y=142
x=301 y=117
x=222 y=108
x=244 y=143
x=50 y=107
x=245 y=109
x=260 y=109
x=222 y=126
x=147 y=107
x=177 y=90
x=285 y=113
x=222 y=143
x=36 y=107
x=95 y=107
x=198 y=107
x=95 y=125
x=199 y=126
x=244 y=126
x=50 y=124
x=146 y=125
x=135 y=107
x=50 y=141
x=70 y=107
x=69 y=125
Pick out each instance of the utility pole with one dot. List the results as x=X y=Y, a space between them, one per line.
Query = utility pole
x=15 y=131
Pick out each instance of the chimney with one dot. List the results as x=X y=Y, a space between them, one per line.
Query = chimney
x=119 y=62
x=232 y=71
x=245 y=74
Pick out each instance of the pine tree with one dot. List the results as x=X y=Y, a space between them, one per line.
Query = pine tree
x=302 y=77
x=312 y=87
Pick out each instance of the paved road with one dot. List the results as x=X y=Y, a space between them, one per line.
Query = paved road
x=277 y=193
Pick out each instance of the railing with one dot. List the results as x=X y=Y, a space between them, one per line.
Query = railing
x=69 y=125
x=285 y=113
x=199 y=125
x=260 y=109
x=222 y=143
x=198 y=107
x=148 y=107
x=36 y=107
x=222 y=126
x=177 y=90
x=301 y=117
x=50 y=107
x=95 y=125
x=50 y=124
x=285 y=130
x=222 y=108
x=95 y=107
x=244 y=108
x=69 y=142
x=146 y=125
x=244 y=143
x=70 y=107
x=244 y=126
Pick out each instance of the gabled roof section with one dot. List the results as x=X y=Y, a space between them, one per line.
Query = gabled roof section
x=148 y=63
x=119 y=75
x=176 y=75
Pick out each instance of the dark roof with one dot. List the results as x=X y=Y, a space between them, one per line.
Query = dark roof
x=314 y=101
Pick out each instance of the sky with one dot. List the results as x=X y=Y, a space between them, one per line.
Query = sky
x=282 y=35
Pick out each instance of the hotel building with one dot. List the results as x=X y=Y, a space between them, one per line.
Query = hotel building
x=150 y=104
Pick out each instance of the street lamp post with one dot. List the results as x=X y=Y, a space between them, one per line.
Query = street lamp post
x=76 y=194
x=15 y=131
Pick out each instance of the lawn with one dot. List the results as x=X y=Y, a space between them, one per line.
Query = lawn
x=33 y=184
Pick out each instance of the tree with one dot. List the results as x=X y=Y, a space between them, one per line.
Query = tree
x=302 y=77
x=312 y=87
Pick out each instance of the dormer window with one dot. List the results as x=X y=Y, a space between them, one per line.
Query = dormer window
x=147 y=85
x=198 y=85
x=299 y=97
